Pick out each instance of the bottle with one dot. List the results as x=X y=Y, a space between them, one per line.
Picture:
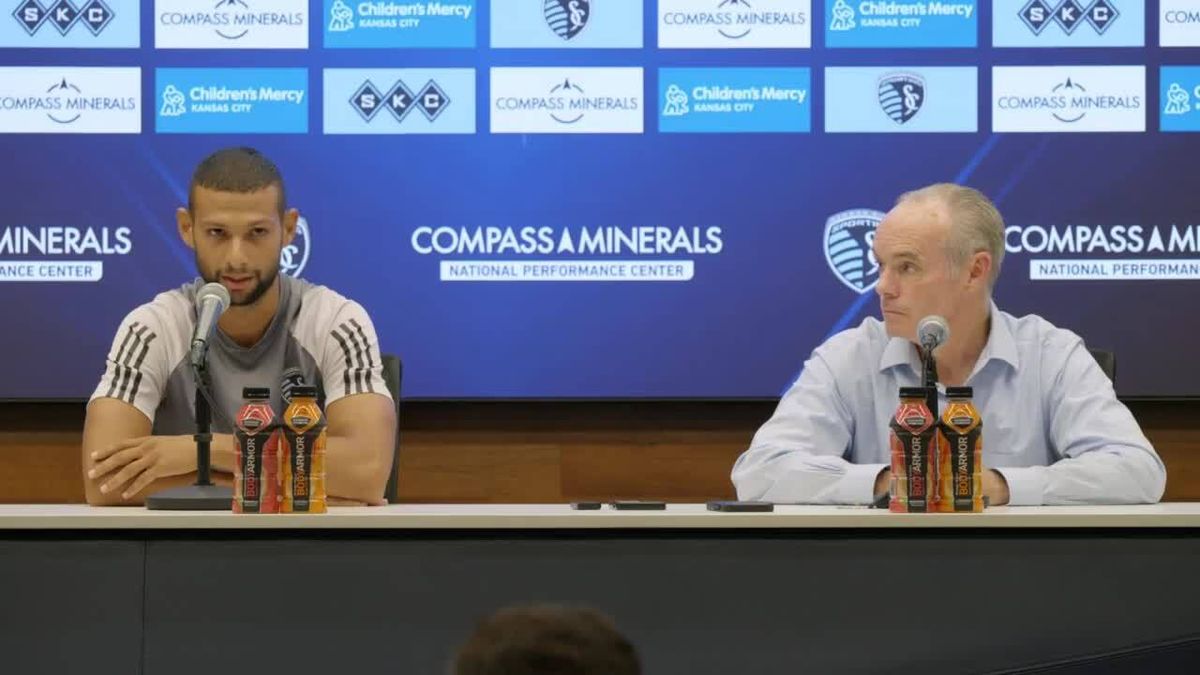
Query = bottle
x=303 y=444
x=960 y=454
x=256 y=461
x=913 y=438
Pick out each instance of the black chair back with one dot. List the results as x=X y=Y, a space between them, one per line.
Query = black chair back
x=393 y=370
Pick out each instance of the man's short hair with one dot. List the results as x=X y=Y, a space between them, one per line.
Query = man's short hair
x=547 y=640
x=975 y=223
x=239 y=169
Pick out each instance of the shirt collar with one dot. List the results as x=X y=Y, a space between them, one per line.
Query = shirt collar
x=1001 y=346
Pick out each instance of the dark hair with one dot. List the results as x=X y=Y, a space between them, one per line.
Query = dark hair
x=547 y=640
x=239 y=169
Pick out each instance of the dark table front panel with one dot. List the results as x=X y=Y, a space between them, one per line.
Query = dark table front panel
x=70 y=604
x=693 y=602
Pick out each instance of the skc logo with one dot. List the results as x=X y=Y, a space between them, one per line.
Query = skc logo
x=399 y=101
x=567 y=18
x=94 y=15
x=294 y=256
x=848 y=239
x=291 y=378
x=1069 y=15
x=901 y=96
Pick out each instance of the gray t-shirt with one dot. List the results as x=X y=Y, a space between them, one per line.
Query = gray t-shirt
x=317 y=337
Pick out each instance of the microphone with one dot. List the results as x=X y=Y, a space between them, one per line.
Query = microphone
x=212 y=300
x=932 y=331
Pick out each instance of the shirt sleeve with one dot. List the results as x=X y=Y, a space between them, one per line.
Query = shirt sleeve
x=136 y=369
x=351 y=362
x=1103 y=456
x=798 y=456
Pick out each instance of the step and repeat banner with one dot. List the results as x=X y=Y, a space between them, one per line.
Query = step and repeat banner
x=603 y=198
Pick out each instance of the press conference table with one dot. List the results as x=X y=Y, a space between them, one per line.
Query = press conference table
x=395 y=589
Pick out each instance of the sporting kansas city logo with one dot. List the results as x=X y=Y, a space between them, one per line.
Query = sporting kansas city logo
x=399 y=100
x=341 y=18
x=93 y=15
x=567 y=17
x=848 y=239
x=294 y=256
x=1068 y=14
x=292 y=378
x=901 y=96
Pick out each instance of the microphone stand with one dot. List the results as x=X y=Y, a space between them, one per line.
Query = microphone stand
x=202 y=495
x=929 y=378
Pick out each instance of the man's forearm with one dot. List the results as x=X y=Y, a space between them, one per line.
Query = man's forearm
x=97 y=498
x=222 y=457
x=355 y=470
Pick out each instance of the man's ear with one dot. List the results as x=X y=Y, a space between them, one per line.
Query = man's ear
x=980 y=269
x=290 y=218
x=187 y=230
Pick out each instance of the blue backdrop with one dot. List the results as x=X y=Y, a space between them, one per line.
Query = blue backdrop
x=741 y=327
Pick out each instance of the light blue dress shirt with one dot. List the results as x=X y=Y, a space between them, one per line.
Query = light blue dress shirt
x=1052 y=424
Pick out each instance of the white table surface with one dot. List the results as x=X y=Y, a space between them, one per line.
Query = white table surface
x=561 y=516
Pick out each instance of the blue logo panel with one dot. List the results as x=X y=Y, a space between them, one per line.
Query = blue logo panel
x=901 y=23
x=231 y=100
x=734 y=100
x=1179 y=98
x=399 y=23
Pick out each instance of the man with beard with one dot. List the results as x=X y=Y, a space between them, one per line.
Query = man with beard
x=277 y=332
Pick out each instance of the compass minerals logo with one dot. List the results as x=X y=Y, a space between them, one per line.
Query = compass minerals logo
x=1108 y=252
x=566 y=100
x=1179 y=23
x=734 y=100
x=543 y=253
x=70 y=23
x=567 y=24
x=901 y=100
x=734 y=24
x=387 y=24
x=231 y=100
x=1068 y=98
x=1069 y=23
x=57 y=254
x=901 y=23
x=231 y=24
x=52 y=100
x=399 y=101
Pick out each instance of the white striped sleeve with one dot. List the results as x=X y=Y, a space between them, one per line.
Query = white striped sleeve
x=136 y=370
x=350 y=361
